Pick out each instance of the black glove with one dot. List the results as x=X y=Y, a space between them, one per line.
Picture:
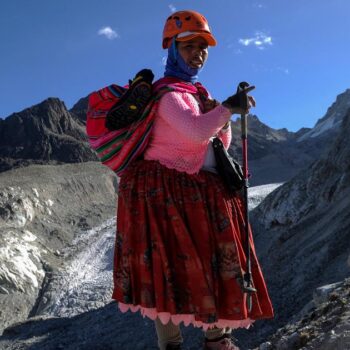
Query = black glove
x=240 y=99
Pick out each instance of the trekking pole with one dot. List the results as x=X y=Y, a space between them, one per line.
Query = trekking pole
x=247 y=278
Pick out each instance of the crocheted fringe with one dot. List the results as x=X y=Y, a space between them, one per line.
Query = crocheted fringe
x=187 y=319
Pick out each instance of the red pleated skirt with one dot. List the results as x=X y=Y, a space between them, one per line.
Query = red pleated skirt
x=179 y=249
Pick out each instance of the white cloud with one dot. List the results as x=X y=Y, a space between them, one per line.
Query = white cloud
x=260 y=41
x=245 y=42
x=283 y=69
x=271 y=69
x=108 y=32
x=172 y=8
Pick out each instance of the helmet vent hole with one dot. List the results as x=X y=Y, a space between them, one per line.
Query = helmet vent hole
x=169 y=18
x=176 y=17
x=188 y=18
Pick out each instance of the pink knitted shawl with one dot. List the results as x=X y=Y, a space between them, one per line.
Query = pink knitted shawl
x=181 y=131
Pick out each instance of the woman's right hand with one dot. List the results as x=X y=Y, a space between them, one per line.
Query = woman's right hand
x=240 y=102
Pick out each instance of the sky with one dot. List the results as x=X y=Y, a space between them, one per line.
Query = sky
x=296 y=53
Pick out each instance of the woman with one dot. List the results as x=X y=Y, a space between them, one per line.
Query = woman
x=179 y=253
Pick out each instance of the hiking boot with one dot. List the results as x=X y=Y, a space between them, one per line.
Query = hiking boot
x=223 y=343
x=130 y=106
x=173 y=346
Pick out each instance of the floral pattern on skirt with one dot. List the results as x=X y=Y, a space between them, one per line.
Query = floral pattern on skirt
x=179 y=247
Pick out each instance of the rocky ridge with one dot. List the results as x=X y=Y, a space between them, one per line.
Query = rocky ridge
x=278 y=155
x=302 y=230
x=42 y=134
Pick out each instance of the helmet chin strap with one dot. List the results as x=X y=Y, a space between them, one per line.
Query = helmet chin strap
x=177 y=67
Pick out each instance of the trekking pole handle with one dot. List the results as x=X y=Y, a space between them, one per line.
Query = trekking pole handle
x=243 y=102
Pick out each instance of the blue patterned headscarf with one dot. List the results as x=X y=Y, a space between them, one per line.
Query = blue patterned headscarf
x=177 y=67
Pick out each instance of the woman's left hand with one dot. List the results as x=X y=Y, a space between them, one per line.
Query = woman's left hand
x=210 y=104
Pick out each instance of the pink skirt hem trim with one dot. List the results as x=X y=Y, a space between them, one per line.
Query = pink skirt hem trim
x=187 y=319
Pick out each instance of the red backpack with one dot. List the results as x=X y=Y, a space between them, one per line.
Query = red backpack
x=117 y=148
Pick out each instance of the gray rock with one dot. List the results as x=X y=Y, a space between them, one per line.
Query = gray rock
x=321 y=294
x=265 y=346
x=41 y=201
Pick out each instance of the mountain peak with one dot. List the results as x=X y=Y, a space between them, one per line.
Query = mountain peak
x=50 y=103
x=79 y=110
x=45 y=132
x=332 y=119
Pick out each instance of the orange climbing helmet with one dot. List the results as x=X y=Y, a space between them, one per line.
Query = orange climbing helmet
x=186 y=25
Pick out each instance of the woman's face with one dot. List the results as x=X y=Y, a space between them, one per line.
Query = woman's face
x=194 y=51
